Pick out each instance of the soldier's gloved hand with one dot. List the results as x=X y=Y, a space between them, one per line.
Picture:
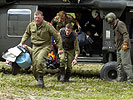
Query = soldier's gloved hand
x=124 y=46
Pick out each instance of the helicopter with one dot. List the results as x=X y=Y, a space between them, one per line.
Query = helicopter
x=15 y=15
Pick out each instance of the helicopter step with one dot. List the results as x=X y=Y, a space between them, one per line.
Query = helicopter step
x=88 y=60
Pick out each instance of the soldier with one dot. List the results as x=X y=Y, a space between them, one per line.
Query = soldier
x=122 y=45
x=40 y=32
x=93 y=28
x=71 y=48
x=62 y=19
x=81 y=19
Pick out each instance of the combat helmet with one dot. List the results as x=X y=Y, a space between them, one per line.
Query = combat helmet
x=110 y=17
x=94 y=13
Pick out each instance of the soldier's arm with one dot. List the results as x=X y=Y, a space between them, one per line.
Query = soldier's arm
x=123 y=31
x=26 y=35
x=77 y=50
x=56 y=36
x=75 y=21
x=76 y=47
x=53 y=21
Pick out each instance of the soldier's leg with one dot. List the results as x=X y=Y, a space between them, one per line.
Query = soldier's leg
x=41 y=54
x=119 y=67
x=70 y=57
x=41 y=58
x=34 y=55
x=126 y=62
x=61 y=76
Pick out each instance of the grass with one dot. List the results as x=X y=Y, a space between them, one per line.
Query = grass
x=85 y=83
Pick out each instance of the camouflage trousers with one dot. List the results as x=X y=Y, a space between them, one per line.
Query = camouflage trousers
x=124 y=65
x=39 y=57
x=66 y=60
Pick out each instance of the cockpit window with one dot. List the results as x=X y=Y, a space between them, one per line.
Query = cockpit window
x=18 y=19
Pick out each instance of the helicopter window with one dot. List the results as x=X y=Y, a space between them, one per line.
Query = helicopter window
x=18 y=19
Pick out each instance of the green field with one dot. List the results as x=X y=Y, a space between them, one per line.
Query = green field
x=84 y=84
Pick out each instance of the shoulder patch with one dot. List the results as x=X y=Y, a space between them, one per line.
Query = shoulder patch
x=49 y=23
x=121 y=27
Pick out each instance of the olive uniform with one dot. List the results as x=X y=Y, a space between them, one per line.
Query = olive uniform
x=123 y=57
x=60 y=24
x=71 y=47
x=41 y=40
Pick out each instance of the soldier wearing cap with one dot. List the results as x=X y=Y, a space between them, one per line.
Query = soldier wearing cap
x=122 y=45
x=40 y=31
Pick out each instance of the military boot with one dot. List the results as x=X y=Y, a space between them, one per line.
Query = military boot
x=67 y=76
x=40 y=82
x=61 y=77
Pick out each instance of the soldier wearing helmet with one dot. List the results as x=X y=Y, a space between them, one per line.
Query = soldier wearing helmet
x=93 y=28
x=122 y=45
x=110 y=17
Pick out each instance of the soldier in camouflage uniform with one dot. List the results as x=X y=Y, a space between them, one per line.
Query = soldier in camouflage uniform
x=71 y=52
x=123 y=47
x=40 y=31
x=62 y=19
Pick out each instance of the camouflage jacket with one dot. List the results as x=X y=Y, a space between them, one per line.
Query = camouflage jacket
x=60 y=24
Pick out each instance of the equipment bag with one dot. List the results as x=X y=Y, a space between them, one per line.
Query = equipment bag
x=11 y=54
x=18 y=54
x=24 y=60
